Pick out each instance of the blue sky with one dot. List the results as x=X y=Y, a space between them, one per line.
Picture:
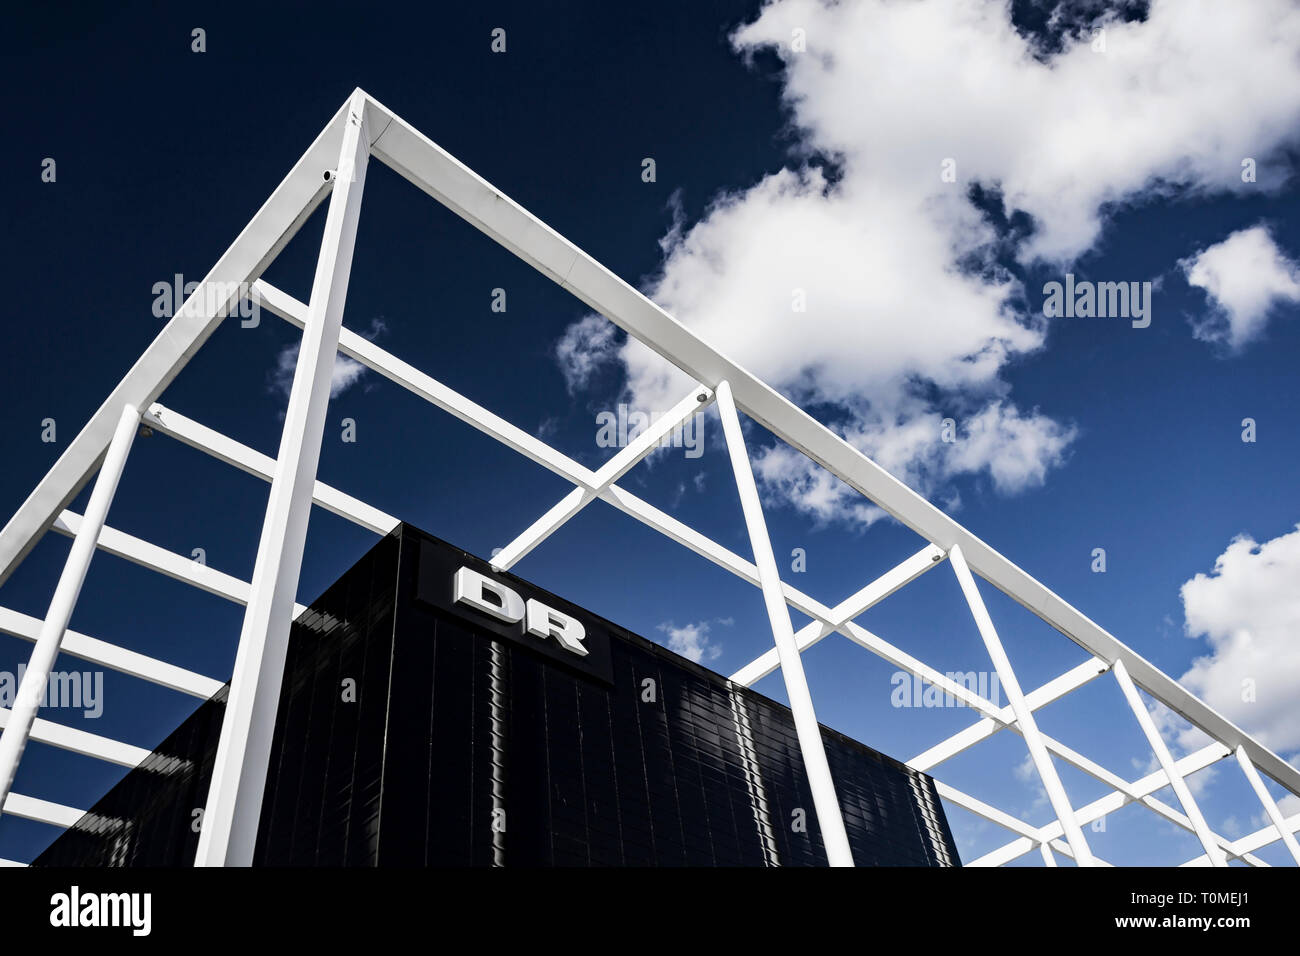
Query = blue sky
x=776 y=169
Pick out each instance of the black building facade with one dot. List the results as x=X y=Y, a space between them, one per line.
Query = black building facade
x=435 y=712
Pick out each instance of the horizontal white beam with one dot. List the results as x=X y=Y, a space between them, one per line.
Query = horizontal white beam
x=42 y=811
x=176 y=425
x=165 y=562
x=4 y=862
x=81 y=742
x=113 y=657
x=487 y=208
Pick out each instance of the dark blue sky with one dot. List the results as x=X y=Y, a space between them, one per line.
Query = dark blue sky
x=162 y=156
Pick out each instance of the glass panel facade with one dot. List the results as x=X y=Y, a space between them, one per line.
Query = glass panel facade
x=414 y=730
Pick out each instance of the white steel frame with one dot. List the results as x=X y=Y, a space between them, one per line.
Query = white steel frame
x=334 y=167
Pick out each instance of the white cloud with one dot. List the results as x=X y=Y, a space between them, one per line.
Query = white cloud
x=586 y=346
x=691 y=641
x=1248 y=609
x=910 y=317
x=1245 y=276
x=1015 y=449
x=346 y=373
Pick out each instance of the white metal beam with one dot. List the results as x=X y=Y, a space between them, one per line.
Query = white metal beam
x=113 y=657
x=986 y=727
x=619 y=465
x=1166 y=761
x=176 y=425
x=42 y=811
x=851 y=607
x=234 y=803
x=440 y=175
x=1253 y=841
x=82 y=742
x=1211 y=753
x=829 y=816
x=1024 y=716
x=167 y=563
x=1003 y=819
x=257 y=245
x=418 y=383
x=18 y=723
x=1270 y=807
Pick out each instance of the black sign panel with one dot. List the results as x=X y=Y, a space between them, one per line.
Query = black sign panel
x=436 y=585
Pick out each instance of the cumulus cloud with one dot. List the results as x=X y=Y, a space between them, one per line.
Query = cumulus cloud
x=859 y=281
x=1248 y=610
x=1245 y=276
x=691 y=641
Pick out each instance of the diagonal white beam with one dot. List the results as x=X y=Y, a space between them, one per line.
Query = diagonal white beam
x=1270 y=806
x=234 y=802
x=82 y=742
x=1003 y=819
x=113 y=657
x=568 y=506
x=168 y=563
x=808 y=731
x=1166 y=760
x=1212 y=753
x=865 y=599
x=42 y=811
x=1024 y=716
x=27 y=701
x=430 y=389
x=257 y=245
x=986 y=727
x=176 y=425
x=490 y=210
x=1253 y=841
x=1118 y=783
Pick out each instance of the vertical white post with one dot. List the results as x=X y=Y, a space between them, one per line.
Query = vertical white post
x=55 y=625
x=1024 y=714
x=233 y=809
x=825 y=800
x=1046 y=851
x=1167 y=764
x=1270 y=807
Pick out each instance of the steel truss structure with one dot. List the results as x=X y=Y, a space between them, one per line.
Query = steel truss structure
x=334 y=167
